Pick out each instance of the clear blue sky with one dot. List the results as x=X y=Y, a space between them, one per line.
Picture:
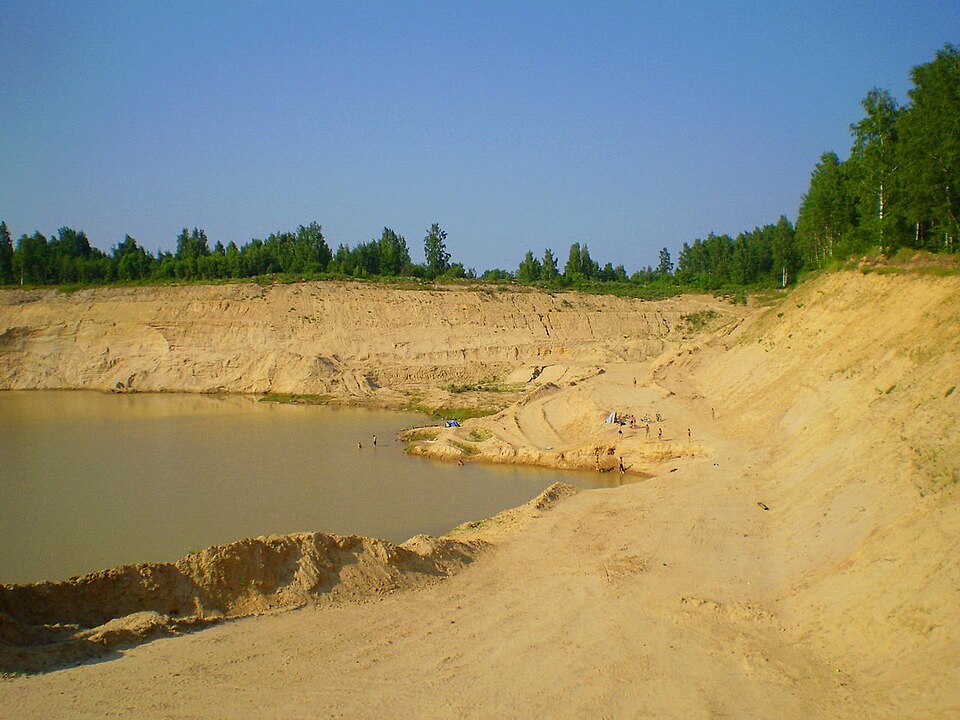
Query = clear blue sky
x=515 y=125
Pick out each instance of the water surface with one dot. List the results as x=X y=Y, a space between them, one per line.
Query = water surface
x=89 y=480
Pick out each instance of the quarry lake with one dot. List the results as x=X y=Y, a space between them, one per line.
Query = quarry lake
x=89 y=481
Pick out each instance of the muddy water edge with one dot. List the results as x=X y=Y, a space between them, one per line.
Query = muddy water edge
x=91 y=480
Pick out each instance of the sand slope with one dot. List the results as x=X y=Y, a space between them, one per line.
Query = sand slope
x=793 y=557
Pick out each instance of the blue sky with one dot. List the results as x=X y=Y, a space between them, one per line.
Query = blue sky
x=627 y=126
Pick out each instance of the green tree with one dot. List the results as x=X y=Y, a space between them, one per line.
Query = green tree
x=6 y=255
x=929 y=151
x=874 y=155
x=192 y=245
x=457 y=271
x=786 y=257
x=530 y=268
x=366 y=257
x=574 y=267
x=588 y=266
x=312 y=254
x=549 y=271
x=826 y=211
x=394 y=254
x=743 y=266
x=496 y=275
x=132 y=261
x=666 y=264
x=233 y=261
x=435 y=251
x=30 y=259
x=66 y=253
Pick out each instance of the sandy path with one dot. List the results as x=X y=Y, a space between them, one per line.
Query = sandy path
x=653 y=599
x=656 y=606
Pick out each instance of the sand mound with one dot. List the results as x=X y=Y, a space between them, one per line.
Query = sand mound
x=49 y=623
x=502 y=525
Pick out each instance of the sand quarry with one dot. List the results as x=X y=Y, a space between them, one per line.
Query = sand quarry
x=793 y=556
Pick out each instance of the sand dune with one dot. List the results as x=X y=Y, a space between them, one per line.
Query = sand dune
x=792 y=557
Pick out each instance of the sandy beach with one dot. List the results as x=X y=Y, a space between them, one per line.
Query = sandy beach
x=789 y=549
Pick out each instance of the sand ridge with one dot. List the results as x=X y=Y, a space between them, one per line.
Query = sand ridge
x=48 y=624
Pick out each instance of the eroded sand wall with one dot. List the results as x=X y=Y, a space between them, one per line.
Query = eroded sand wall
x=332 y=338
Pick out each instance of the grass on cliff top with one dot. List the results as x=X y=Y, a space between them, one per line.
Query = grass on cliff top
x=482 y=386
x=294 y=399
x=648 y=290
x=695 y=322
x=906 y=261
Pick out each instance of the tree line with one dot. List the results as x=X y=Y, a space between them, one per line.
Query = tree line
x=899 y=188
x=67 y=257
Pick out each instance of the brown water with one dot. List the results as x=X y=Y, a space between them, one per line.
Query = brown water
x=89 y=480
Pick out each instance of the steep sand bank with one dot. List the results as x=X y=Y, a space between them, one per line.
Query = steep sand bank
x=345 y=340
x=793 y=557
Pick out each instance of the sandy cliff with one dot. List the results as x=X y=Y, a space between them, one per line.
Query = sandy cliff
x=347 y=340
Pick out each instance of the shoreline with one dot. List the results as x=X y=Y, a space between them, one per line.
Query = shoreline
x=49 y=625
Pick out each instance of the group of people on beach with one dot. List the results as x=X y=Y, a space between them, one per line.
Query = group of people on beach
x=622 y=419
x=630 y=421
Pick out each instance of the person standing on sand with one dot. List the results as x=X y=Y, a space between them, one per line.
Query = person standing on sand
x=620 y=465
x=374 y=440
x=689 y=437
x=647 y=428
x=659 y=433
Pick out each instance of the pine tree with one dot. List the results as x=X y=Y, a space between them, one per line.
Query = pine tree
x=435 y=251
x=6 y=255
